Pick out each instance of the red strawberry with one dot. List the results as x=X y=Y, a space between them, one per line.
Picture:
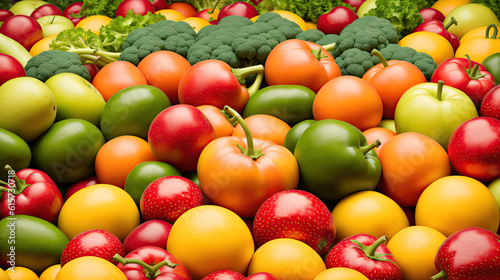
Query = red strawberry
x=96 y=242
x=224 y=275
x=295 y=214
x=366 y=254
x=169 y=197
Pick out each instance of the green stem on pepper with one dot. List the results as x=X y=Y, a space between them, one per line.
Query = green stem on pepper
x=495 y=31
x=382 y=59
x=19 y=186
x=370 y=147
x=473 y=72
x=242 y=73
x=250 y=151
x=452 y=21
x=149 y=271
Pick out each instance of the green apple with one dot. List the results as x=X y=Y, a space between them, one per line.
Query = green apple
x=365 y=7
x=28 y=107
x=54 y=24
x=494 y=188
x=76 y=98
x=388 y=123
x=26 y=7
x=434 y=110
x=470 y=16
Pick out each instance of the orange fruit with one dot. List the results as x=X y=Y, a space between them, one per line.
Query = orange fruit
x=119 y=156
x=4 y=275
x=51 y=272
x=208 y=238
x=116 y=76
x=196 y=23
x=430 y=43
x=368 y=212
x=21 y=273
x=93 y=23
x=381 y=133
x=184 y=8
x=90 y=268
x=455 y=202
x=100 y=206
x=340 y=273
x=446 y=6
x=171 y=14
x=265 y=127
x=414 y=249
x=287 y=259
x=42 y=45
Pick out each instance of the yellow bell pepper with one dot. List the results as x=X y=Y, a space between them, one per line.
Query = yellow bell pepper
x=478 y=48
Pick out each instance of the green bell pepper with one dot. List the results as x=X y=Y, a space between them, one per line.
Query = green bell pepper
x=293 y=135
x=335 y=160
x=290 y=103
x=14 y=151
x=492 y=64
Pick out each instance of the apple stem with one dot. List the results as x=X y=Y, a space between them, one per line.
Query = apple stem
x=495 y=31
x=439 y=93
x=452 y=21
x=251 y=152
x=439 y=275
x=370 y=147
x=377 y=53
x=149 y=271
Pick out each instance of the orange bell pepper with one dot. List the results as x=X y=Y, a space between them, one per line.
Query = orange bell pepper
x=478 y=48
x=240 y=173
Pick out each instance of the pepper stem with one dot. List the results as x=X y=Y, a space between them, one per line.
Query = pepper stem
x=149 y=271
x=495 y=31
x=439 y=275
x=250 y=151
x=370 y=147
x=370 y=251
x=473 y=71
x=242 y=73
x=20 y=185
x=439 y=92
x=452 y=21
x=377 y=53
x=318 y=54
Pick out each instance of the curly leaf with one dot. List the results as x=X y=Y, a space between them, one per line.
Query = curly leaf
x=403 y=14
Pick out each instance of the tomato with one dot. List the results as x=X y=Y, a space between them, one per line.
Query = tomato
x=221 y=125
x=349 y=99
x=186 y=9
x=116 y=76
x=381 y=133
x=264 y=127
x=119 y=156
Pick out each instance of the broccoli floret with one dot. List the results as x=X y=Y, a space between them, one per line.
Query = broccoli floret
x=366 y=33
x=163 y=35
x=234 y=21
x=49 y=63
x=288 y=28
x=328 y=39
x=355 y=62
x=423 y=61
x=311 y=35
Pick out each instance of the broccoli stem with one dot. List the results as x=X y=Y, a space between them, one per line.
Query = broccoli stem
x=329 y=47
x=98 y=57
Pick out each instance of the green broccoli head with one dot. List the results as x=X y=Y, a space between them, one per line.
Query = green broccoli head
x=311 y=35
x=288 y=28
x=49 y=63
x=423 y=61
x=215 y=46
x=355 y=62
x=163 y=35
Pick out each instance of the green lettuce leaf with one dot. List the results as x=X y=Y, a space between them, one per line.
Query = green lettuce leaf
x=99 y=7
x=309 y=10
x=403 y=14
x=316 y=8
x=114 y=34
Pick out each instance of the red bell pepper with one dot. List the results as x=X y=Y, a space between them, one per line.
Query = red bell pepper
x=468 y=76
x=30 y=192
x=438 y=27
x=151 y=262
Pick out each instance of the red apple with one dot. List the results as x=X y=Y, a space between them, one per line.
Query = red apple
x=238 y=9
x=335 y=20
x=490 y=106
x=89 y=181
x=25 y=30
x=224 y=275
x=169 y=197
x=93 y=69
x=206 y=14
x=96 y=242
x=46 y=10
x=160 y=4
x=474 y=149
x=10 y=68
x=149 y=233
x=73 y=9
x=141 y=7
x=261 y=276
x=431 y=13
x=5 y=14
x=471 y=253
x=354 y=3
x=288 y=212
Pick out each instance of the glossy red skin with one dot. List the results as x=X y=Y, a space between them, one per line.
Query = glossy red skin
x=453 y=73
x=205 y=14
x=474 y=149
x=160 y=4
x=5 y=14
x=46 y=10
x=256 y=2
x=238 y=9
x=23 y=29
x=490 y=106
x=261 y=276
x=10 y=68
x=348 y=254
x=41 y=198
x=169 y=197
x=434 y=26
x=211 y=82
x=178 y=134
x=96 y=242
x=141 y=7
x=471 y=254
x=150 y=233
x=224 y=275
x=73 y=8
x=335 y=20
x=153 y=255
x=354 y=3
x=93 y=69
x=455 y=42
x=431 y=13
x=92 y=180
x=294 y=213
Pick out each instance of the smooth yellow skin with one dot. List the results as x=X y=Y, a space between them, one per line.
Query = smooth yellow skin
x=21 y=273
x=287 y=259
x=4 y=275
x=90 y=268
x=340 y=273
x=430 y=43
x=50 y=273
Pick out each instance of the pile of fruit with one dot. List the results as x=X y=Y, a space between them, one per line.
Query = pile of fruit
x=259 y=140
